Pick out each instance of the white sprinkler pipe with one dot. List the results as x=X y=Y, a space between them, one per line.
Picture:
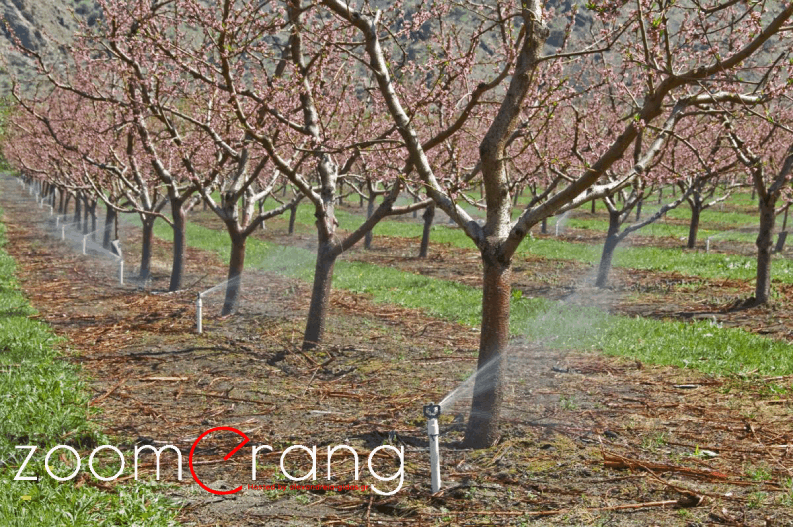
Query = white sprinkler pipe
x=199 y=304
x=707 y=245
x=432 y=411
x=121 y=272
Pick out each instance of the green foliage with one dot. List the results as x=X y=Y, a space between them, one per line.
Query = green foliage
x=44 y=404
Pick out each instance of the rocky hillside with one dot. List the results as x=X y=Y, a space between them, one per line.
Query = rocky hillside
x=40 y=25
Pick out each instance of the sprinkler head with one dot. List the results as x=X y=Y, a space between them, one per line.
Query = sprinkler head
x=432 y=411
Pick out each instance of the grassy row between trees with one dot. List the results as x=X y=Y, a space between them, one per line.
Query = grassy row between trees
x=699 y=345
x=701 y=264
x=45 y=403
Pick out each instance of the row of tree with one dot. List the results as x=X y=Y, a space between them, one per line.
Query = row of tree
x=163 y=103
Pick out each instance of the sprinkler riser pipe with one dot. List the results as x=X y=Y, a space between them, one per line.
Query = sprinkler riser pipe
x=199 y=304
x=435 y=458
x=84 y=242
x=121 y=272
x=432 y=411
x=707 y=245
x=63 y=232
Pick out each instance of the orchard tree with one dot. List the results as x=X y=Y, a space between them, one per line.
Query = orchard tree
x=654 y=62
x=292 y=94
x=764 y=145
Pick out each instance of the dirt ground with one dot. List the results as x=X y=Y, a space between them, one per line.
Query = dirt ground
x=586 y=439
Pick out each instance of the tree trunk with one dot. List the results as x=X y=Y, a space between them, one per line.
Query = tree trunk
x=61 y=202
x=764 y=244
x=429 y=215
x=292 y=216
x=110 y=219
x=146 y=246
x=86 y=213
x=483 y=423
x=606 y=257
x=544 y=226
x=78 y=211
x=236 y=265
x=693 y=228
x=367 y=240
x=780 y=242
x=593 y=205
x=179 y=245
x=92 y=211
x=320 y=295
x=639 y=210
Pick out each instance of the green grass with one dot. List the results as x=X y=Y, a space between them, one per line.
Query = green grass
x=662 y=228
x=706 y=265
x=43 y=402
x=696 y=345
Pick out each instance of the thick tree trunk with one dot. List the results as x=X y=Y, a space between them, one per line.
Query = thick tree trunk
x=606 y=257
x=179 y=245
x=593 y=205
x=483 y=423
x=292 y=216
x=146 y=246
x=544 y=226
x=320 y=295
x=236 y=265
x=110 y=220
x=693 y=227
x=765 y=239
x=61 y=202
x=367 y=240
x=429 y=215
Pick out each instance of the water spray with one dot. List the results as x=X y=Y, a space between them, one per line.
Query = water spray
x=432 y=412
x=85 y=238
x=199 y=304
x=560 y=222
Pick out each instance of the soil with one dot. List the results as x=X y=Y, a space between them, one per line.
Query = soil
x=586 y=439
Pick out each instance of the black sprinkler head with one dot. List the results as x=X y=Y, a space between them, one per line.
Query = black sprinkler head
x=432 y=411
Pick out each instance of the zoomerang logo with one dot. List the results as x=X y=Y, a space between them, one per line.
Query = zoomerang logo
x=255 y=450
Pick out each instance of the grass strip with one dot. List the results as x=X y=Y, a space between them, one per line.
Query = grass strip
x=43 y=402
x=705 y=265
x=700 y=345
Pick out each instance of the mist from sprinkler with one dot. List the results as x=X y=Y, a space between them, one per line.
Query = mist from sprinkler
x=723 y=233
x=560 y=222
